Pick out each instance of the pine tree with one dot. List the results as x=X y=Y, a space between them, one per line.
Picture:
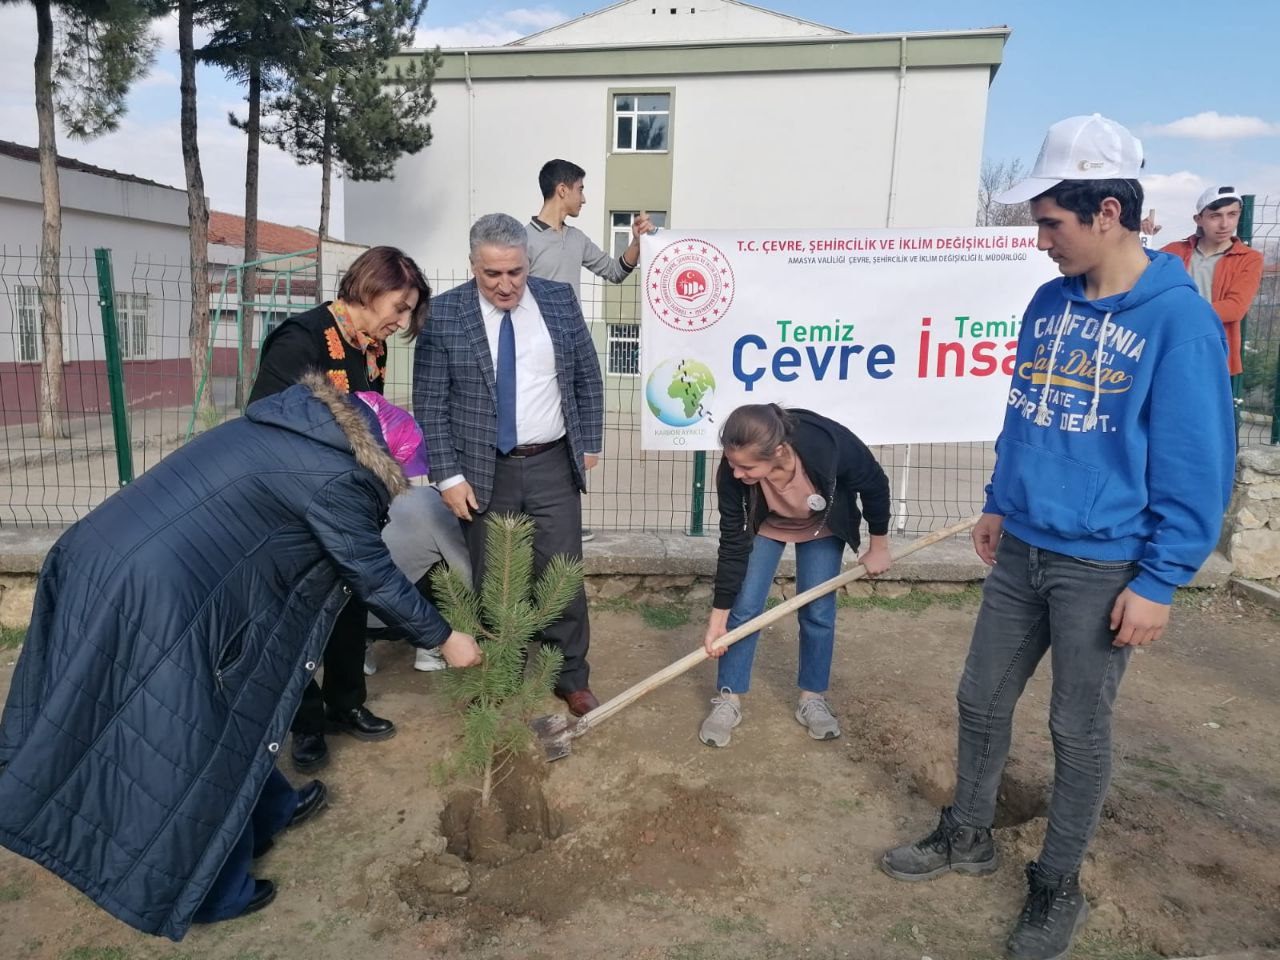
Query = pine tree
x=254 y=41
x=499 y=696
x=83 y=72
x=342 y=104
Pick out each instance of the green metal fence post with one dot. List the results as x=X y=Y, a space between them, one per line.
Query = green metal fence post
x=699 y=486
x=115 y=368
x=1245 y=232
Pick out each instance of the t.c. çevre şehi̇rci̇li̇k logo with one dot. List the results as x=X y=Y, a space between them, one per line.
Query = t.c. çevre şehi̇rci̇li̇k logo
x=689 y=285
x=679 y=392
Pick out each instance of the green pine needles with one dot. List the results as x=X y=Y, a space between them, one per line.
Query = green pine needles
x=500 y=695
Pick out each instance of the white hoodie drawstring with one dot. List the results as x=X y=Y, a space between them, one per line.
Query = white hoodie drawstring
x=1091 y=418
x=1044 y=416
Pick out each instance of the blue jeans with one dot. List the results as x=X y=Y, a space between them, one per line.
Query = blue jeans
x=232 y=889
x=816 y=561
x=1036 y=601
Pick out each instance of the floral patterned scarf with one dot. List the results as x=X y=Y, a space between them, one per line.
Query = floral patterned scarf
x=372 y=348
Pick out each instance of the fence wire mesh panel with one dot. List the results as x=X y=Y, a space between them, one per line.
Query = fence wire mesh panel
x=1261 y=334
x=54 y=480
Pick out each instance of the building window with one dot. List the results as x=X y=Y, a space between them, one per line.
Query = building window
x=641 y=122
x=624 y=349
x=28 y=311
x=133 y=322
x=621 y=227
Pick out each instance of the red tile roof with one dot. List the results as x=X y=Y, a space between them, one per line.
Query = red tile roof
x=228 y=229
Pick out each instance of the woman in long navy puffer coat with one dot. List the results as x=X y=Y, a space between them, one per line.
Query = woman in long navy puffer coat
x=174 y=629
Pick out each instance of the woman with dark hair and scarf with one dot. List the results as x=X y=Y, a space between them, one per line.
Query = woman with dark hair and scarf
x=382 y=292
x=788 y=476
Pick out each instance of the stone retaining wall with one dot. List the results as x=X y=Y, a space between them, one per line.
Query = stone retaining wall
x=1251 y=534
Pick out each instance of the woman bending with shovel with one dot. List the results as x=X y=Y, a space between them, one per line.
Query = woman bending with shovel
x=788 y=476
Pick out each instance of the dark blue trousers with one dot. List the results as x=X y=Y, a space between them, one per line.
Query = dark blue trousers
x=233 y=888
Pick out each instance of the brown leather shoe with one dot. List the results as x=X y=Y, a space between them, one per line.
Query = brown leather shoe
x=579 y=701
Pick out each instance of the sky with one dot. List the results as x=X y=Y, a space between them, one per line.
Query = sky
x=1205 y=105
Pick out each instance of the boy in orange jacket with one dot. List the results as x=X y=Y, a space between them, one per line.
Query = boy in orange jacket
x=1226 y=272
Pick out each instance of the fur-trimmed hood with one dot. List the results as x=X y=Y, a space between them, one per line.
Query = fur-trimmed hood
x=333 y=421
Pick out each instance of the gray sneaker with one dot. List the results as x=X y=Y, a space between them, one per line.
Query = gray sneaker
x=815 y=713
x=1054 y=911
x=724 y=716
x=950 y=847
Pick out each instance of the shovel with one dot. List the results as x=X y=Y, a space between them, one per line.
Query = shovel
x=556 y=733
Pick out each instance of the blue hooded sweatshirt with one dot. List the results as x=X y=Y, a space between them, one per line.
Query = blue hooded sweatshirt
x=1119 y=447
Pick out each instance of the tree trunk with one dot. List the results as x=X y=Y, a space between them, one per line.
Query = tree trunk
x=52 y=423
x=486 y=787
x=197 y=212
x=326 y=172
x=248 y=286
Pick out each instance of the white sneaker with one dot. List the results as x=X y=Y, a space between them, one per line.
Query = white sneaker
x=724 y=716
x=815 y=713
x=428 y=660
x=370 y=667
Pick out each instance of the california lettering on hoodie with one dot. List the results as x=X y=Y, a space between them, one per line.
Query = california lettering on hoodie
x=1119 y=437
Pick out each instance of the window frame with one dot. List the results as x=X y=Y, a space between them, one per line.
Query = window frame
x=129 y=307
x=612 y=340
x=26 y=306
x=621 y=233
x=635 y=114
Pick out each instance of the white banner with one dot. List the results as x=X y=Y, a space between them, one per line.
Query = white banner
x=904 y=336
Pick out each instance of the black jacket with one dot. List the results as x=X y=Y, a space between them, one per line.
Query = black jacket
x=300 y=346
x=842 y=470
x=173 y=631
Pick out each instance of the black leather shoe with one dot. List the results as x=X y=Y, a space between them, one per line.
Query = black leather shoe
x=264 y=891
x=311 y=800
x=361 y=724
x=309 y=751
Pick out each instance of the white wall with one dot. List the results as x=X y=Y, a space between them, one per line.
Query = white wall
x=792 y=150
x=144 y=226
x=426 y=211
x=650 y=21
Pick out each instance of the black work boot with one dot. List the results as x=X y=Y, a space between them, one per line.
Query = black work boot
x=950 y=847
x=1055 y=909
x=310 y=752
x=360 y=723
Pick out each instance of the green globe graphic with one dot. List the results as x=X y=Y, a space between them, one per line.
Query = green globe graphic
x=680 y=392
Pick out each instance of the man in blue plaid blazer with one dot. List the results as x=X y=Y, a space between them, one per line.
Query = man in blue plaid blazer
x=508 y=391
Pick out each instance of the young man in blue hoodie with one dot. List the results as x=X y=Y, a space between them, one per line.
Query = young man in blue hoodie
x=1112 y=473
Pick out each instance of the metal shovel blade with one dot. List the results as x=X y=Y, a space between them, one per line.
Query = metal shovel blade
x=556 y=734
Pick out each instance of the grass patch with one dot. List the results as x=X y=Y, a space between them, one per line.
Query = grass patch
x=662 y=616
x=11 y=637
x=904 y=931
x=731 y=925
x=1194 y=785
x=12 y=892
x=1104 y=948
x=96 y=953
x=665 y=616
x=914 y=602
x=690 y=951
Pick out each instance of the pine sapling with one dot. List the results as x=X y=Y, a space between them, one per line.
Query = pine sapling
x=500 y=695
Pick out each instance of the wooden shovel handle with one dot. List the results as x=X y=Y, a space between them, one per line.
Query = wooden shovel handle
x=688 y=662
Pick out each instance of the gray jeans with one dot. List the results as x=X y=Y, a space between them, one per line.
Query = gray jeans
x=422 y=533
x=1035 y=601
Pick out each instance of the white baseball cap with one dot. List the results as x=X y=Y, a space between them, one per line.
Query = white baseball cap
x=1214 y=194
x=1080 y=148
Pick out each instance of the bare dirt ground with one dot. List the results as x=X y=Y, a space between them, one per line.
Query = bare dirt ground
x=663 y=849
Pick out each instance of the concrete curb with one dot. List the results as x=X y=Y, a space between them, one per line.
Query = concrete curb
x=1257 y=592
x=631 y=553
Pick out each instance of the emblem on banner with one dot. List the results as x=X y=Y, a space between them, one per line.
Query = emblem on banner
x=690 y=285
x=680 y=392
